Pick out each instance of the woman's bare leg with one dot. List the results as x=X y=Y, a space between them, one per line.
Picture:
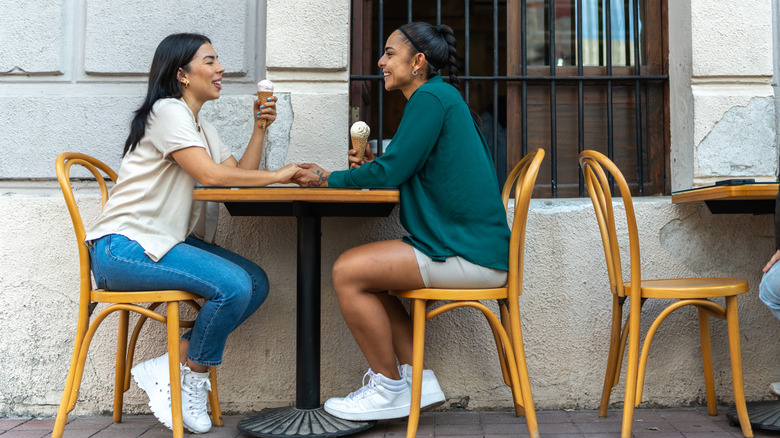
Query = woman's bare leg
x=361 y=277
x=401 y=325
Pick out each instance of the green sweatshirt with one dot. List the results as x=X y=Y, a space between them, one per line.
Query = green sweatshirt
x=438 y=159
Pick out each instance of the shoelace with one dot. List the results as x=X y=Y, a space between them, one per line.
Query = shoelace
x=198 y=397
x=367 y=388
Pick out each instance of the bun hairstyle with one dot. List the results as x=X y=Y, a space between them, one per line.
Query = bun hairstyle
x=174 y=52
x=437 y=43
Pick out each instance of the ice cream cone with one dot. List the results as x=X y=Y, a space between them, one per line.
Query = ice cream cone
x=359 y=133
x=263 y=97
x=359 y=144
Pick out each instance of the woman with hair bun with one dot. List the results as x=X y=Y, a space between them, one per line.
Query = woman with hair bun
x=450 y=205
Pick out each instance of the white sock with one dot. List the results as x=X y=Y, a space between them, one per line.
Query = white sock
x=391 y=384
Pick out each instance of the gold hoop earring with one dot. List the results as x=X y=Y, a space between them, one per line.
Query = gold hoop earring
x=186 y=84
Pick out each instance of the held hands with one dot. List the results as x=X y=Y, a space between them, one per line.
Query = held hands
x=311 y=175
x=265 y=111
x=772 y=261
x=355 y=162
x=287 y=174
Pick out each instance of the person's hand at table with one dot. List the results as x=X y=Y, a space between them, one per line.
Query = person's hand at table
x=772 y=261
x=355 y=162
x=265 y=111
x=312 y=175
x=288 y=173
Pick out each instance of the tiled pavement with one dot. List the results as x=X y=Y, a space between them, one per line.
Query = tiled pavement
x=655 y=423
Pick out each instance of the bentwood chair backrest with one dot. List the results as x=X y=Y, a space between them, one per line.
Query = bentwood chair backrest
x=593 y=165
x=63 y=167
x=522 y=179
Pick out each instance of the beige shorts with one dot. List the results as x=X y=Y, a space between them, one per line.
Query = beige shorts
x=457 y=272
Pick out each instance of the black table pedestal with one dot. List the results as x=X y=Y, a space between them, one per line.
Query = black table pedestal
x=307 y=418
x=763 y=415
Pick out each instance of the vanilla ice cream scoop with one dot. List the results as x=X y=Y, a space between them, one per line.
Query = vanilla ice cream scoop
x=360 y=129
x=265 y=85
x=359 y=133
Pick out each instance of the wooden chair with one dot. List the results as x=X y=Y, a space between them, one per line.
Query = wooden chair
x=687 y=291
x=508 y=336
x=123 y=303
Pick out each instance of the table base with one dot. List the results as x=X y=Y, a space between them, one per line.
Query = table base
x=763 y=415
x=292 y=422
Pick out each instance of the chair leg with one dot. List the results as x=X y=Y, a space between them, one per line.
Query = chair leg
x=502 y=357
x=706 y=357
x=613 y=357
x=119 y=371
x=634 y=319
x=216 y=410
x=735 y=350
x=525 y=383
x=68 y=392
x=133 y=341
x=174 y=367
x=418 y=350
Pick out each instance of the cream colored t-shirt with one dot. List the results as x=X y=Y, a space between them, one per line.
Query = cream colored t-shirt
x=151 y=202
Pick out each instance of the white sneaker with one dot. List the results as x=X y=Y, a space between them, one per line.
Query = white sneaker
x=374 y=401
x=153 y=377
x=432 y=394
x=195 y=389
x=774 y=388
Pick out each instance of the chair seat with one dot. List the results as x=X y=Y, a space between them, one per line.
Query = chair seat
x=450 y=294
x=155 y=296
x=691 y=288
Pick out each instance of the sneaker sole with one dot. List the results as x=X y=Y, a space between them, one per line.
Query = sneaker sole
x=142 y=378
x=388 y=414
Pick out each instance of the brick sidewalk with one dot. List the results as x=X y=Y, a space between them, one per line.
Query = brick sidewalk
x=655 y=423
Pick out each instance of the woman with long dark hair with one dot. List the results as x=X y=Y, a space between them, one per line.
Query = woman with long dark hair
x=450 y=205
x=151 y=235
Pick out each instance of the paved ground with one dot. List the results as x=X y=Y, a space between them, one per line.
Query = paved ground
x=655 y=423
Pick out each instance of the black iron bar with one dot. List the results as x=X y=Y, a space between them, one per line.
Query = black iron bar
x=380 y=83
x=438 y=12
x=553 y=104
x=640 y=168
x=626 y=29
x=524 y=71
x=580 y=100
x=501 y=172
x=610 y=133
x=562 y=79
x=409 y=11
x=467 y=69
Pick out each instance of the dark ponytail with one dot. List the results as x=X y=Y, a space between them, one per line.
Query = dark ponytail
x=437 y=43
x=174 y=52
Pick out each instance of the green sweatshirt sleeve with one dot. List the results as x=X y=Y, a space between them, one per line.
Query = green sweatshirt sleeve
x=416 y=136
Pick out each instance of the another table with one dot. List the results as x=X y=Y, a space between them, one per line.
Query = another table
x=308 y=205
x=756 y=198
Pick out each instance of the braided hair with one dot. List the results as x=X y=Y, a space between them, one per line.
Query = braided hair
x=437 y=43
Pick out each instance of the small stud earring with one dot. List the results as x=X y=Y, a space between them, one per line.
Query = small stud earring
x=414 y=73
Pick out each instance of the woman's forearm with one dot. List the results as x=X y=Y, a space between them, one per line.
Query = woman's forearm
x=253 y=153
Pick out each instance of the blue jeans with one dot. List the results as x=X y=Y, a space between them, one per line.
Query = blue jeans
x=769 y=289
x=233 y=286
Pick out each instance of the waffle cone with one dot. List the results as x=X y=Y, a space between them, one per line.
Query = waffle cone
x=359 y=144
x=262 y=96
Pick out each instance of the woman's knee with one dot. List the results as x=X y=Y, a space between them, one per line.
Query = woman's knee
x=260 y=285
x=345 y=272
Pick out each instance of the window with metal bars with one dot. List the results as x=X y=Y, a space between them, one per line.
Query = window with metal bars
x=564 y=75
